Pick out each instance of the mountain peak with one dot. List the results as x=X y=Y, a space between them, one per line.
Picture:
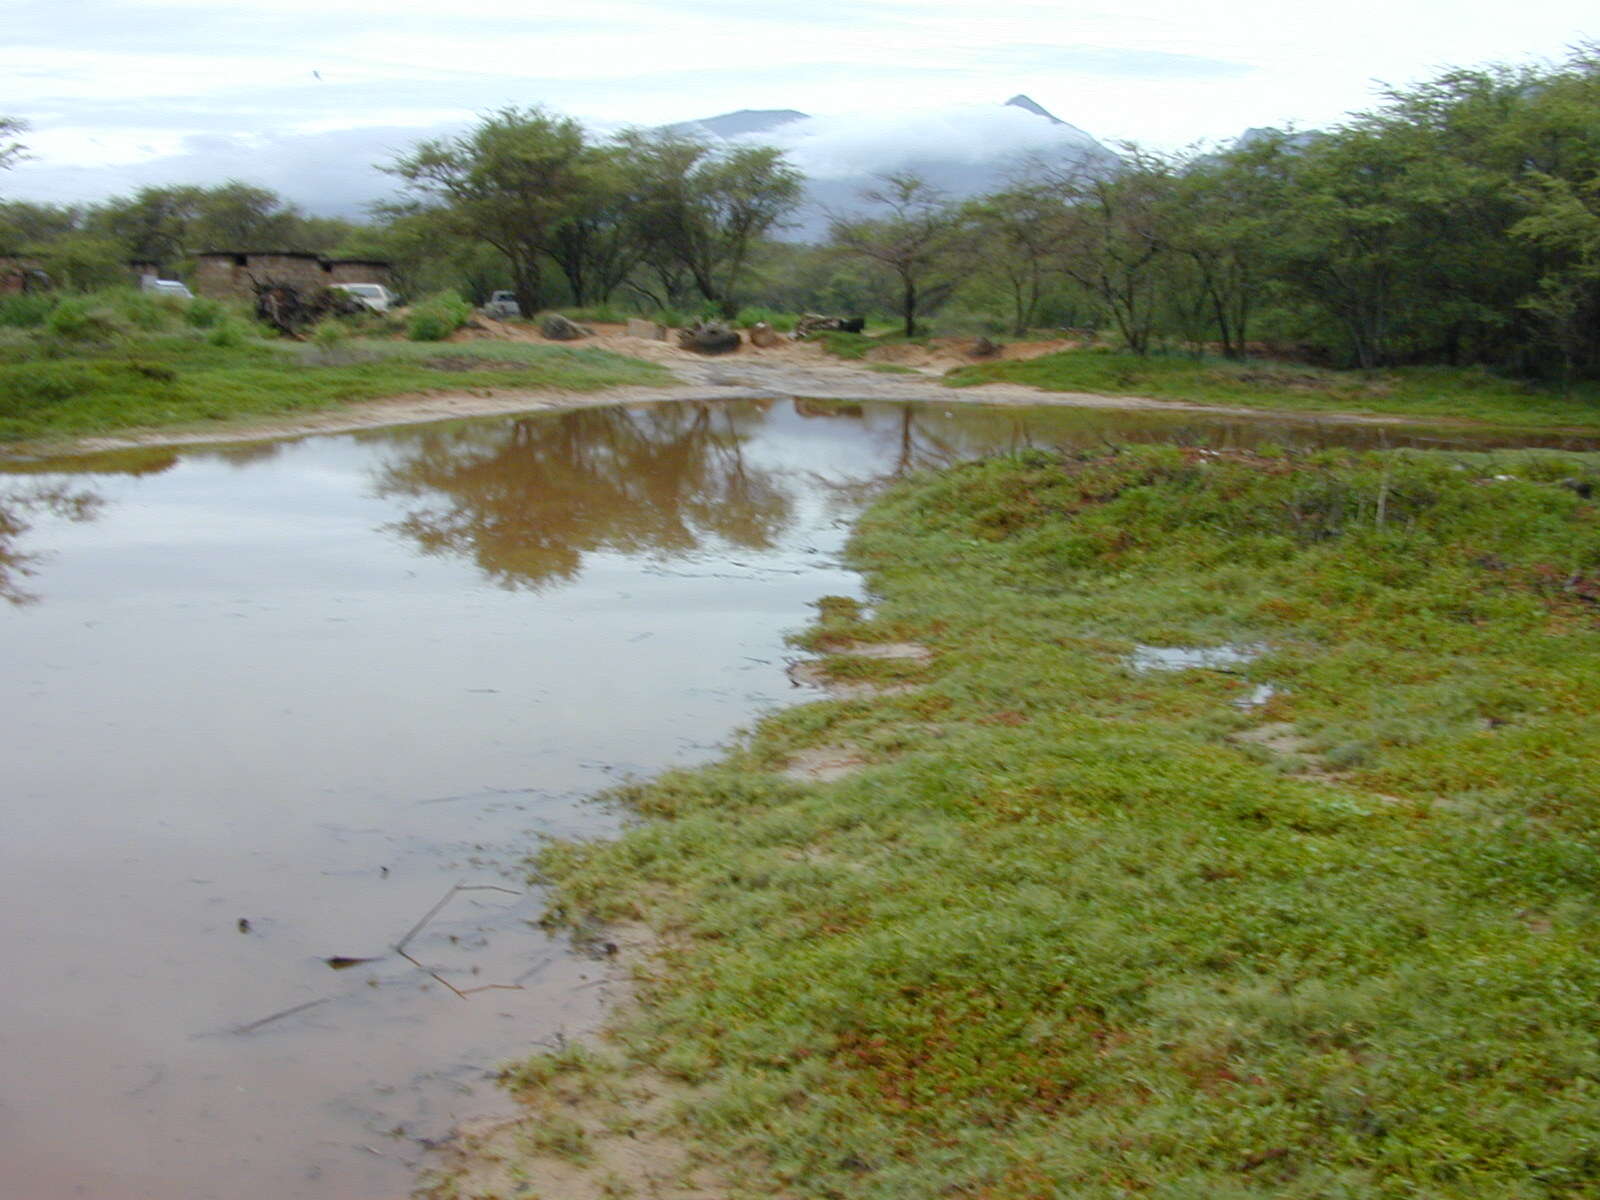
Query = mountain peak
x=1029 y=104
x=746 y=120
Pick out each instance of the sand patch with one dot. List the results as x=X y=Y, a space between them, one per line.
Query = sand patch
x=823 y=764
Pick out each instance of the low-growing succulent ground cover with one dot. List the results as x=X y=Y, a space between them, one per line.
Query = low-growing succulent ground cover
x=1073 y=928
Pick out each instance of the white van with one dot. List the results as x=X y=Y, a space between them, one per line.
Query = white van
x=165 y=287
x=374 y=295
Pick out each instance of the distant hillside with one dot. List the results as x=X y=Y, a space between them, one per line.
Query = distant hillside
x=738 y=124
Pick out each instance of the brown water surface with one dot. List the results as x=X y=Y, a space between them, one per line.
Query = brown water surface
x=265 y=706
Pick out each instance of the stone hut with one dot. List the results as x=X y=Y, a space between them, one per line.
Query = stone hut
x=231 y=274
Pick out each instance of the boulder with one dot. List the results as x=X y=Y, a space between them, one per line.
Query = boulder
x=558 y=329
x=984 y=348
x=810 y=323
x=709 y=337
x=762 y=334
x=649 y=330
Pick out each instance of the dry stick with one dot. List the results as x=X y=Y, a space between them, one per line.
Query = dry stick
x=493 y=987
x=400 y=946
x=288 y=1012
x=433 y=912
x=435 y=974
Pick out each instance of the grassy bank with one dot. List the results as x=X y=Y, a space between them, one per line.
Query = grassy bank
x=50 y=389
x=1078 y=929
x=1423 y=392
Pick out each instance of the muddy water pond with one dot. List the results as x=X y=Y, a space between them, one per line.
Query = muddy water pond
x=265 y=706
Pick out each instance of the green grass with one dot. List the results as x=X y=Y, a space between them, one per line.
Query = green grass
x=854 y=346
x=1066 y=935
x=1424 y=392
x=51 y=389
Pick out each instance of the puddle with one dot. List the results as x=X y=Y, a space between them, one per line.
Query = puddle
x=269 y=704
x=1257 y=696
x=1188 y=658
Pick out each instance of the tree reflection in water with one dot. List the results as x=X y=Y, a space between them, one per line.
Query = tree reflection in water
x=17 y=505
x=526 y=501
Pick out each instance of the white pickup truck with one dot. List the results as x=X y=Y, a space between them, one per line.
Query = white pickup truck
x=374 y=295
x=502 y=305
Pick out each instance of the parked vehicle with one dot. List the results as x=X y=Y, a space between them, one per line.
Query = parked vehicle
x=165 y=287
x=374 y=295
x=503 y=305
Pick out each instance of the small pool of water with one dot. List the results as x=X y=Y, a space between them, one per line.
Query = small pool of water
x=266 y=705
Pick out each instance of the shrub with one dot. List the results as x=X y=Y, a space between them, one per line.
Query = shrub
x=329 y=335
x=782 y=322
x=672 y=318
x=600 y=314
x=204 y=313
x=25 y=311
x=228 y=332
x=77 y=320
x=147 y=313
x=437 y=317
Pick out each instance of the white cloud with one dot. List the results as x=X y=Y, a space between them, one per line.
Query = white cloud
x=833 y=147
x=119 y=84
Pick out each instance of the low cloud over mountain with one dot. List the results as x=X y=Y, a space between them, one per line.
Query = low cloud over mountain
x=963 y=150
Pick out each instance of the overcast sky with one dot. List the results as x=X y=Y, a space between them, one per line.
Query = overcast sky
x=303 y=94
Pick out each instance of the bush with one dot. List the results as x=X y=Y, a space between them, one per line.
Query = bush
x=26 y=311
x=600 y=314
x=148 y=313
x=77 y=320
x=782 y=322
x=204 y=313
x=228 y=332
x=672 y=318
x=437 y=317
x=330 y=335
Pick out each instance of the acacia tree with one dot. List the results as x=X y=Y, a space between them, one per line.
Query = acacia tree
x=11 y=150
x=1222 y=225
x=920 y=241
x=700 y=211
x=511 y=182
x=1565 y=222
x=1020 y=231
x=1114 y=239
x=599 y=244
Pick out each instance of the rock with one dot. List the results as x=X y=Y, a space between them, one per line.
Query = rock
x=649 y=330
x=709 y=337
x=762 y=334
x=810 y=323
x=558 y=329
x=1582 y=487
x=984 y=348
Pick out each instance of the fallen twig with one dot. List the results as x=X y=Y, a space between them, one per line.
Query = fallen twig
x=288 y=1012
x=400 y=946
x=434 y=973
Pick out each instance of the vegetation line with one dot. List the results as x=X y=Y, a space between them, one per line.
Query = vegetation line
x=1077 y=928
